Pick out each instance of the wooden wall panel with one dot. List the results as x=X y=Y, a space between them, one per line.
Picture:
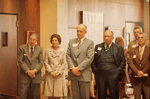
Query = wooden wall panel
x=8 y=6
x=28 y=18
x=28 y=12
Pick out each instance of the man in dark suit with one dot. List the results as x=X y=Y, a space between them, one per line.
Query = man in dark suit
x=80 y=54
x=139 y=62
x=30 y=59
x=109 y=61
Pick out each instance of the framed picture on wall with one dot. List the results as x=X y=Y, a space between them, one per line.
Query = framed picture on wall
x=28 y=33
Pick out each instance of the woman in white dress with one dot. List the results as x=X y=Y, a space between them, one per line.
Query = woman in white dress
x=55 y=64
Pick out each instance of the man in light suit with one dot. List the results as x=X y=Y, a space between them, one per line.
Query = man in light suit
x=30 y=59
x=79 y=56
x=134 y=43
x=139 y=62
x=109 y=61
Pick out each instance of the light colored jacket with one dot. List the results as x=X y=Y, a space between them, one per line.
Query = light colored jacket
x=28 y=63
x=81 y=57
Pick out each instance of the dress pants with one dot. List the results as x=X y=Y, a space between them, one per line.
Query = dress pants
x=80 y=89
x=107 y=79
x=141 y=89
x=24 y=88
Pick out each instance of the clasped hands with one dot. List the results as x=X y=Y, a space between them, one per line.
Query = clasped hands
x=31 y=73
x=76 y=71
x=140 y=74
x=54 y=74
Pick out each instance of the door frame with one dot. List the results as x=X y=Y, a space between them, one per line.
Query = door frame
x=18 y=70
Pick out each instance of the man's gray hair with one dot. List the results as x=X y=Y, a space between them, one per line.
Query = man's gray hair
x=33 y=34
x=142 y=33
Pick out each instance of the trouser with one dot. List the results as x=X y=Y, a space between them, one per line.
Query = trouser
x=141 y=89
x=80 y=89
x=24 y=88
x=107 y=79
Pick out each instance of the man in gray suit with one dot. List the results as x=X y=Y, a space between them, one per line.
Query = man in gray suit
x=80 y=54
x=30 y=59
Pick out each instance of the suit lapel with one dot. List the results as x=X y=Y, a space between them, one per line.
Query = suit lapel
x=99 y=52
x=145 y=52
x=74 y=45
x=82 y=46
x=114 y=50
x=138 y=53
x=27 y=52
x=35 y=52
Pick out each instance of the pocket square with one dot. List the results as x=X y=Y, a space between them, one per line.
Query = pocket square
x=95 y=52
x=134 y=56
x=99 y=48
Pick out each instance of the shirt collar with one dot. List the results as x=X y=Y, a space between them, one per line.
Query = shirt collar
x=82 y=39
x=142 y=47
x=30 y=47
x=108 y=45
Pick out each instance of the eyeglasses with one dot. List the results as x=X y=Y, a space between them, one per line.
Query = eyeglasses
x=34 y=40
x=108 y=36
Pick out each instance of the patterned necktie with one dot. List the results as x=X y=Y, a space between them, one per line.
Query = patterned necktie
x=107 y=47
x=79 y=43
x=141 y=50
x=31 y=52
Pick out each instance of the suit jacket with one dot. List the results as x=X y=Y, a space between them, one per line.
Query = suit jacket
x=81 y=57
x=28 y=63
x=134 y=44
x=118 y=56
x=136 y=64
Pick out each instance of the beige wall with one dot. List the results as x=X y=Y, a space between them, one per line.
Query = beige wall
x=53 y=20
x=147 y=18
x=116 y=12
x=57 y=15
x=48 y=26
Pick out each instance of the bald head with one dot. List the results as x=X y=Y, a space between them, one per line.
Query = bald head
x=108 y=37
x=81 y=31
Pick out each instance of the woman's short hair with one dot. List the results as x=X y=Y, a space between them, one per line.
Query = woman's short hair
x=56 y=36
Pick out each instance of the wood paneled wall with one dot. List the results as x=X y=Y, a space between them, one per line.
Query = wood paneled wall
x=28 y=12
x=28 y=18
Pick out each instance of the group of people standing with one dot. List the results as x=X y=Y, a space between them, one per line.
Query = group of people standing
x=107 y=61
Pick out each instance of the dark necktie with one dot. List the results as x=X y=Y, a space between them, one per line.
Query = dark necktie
x=31 y=52
x=107 y=47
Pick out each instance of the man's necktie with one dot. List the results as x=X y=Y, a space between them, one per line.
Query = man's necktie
x=31 y=52
x=107 y=47
x=141 y=53
x=79 y=43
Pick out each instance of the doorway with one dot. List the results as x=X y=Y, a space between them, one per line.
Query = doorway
x=8 y=55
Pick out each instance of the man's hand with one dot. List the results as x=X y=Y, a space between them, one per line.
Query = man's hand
x=76 y=71
x=31 y=73
x=140 y=74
